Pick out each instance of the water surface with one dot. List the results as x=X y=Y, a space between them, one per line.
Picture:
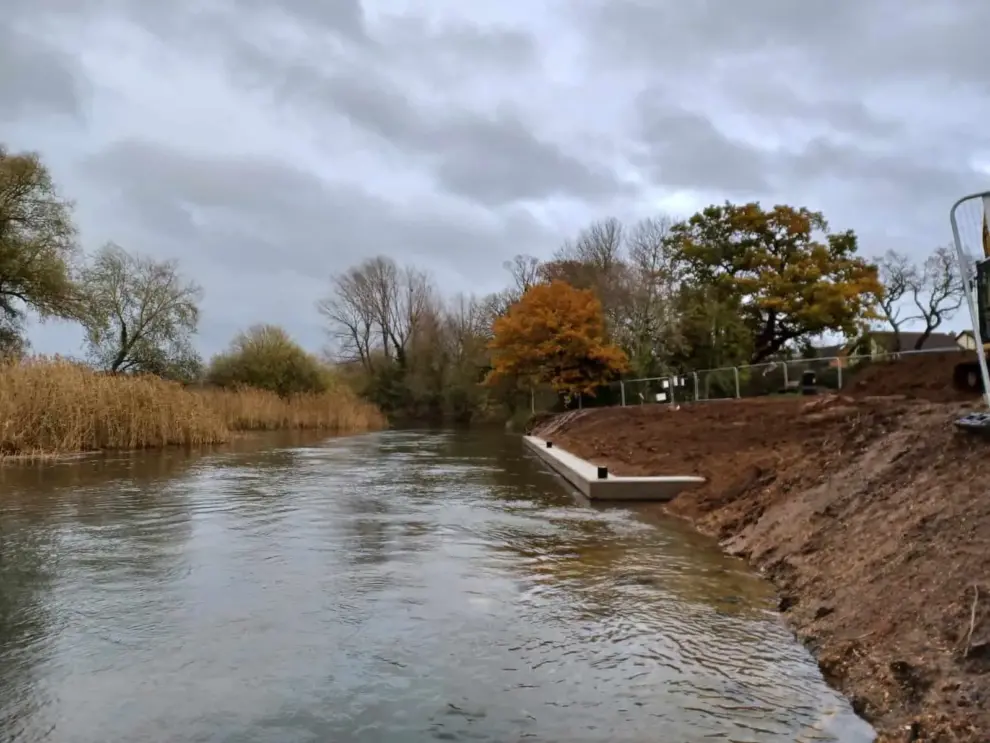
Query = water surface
x=395 y=587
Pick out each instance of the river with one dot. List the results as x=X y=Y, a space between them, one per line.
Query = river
x=395 y=587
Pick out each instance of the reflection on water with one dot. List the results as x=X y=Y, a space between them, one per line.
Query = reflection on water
x=402 y=586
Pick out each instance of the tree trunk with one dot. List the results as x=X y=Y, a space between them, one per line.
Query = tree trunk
x=121 y=356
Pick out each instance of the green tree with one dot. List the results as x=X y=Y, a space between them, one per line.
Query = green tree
x=142 y=315
x=38 y=250
x=712 y=330
x=264 y=356
x=786 y=274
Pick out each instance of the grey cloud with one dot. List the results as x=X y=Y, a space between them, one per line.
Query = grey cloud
x=493 y=158
x=498 y=160
x=684 y=149
x=703 y=34
x=894 y=190
x=177 y=20
x=888 y=39
x=469 y=126
x=902 y=194
x=36 y=77
x=863 y=110
x=345 y=17
x=876 y=70
x=769 y=97
x=444 y=49
x=262 y=215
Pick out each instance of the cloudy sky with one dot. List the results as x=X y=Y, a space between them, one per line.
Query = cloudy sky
x=268 y=143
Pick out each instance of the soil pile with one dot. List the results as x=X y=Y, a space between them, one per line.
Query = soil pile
x=871 y=515
x=923 y=376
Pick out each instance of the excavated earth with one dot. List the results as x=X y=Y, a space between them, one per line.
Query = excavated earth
x=867 y=509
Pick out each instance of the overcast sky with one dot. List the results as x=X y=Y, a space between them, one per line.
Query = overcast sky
x=269 y=143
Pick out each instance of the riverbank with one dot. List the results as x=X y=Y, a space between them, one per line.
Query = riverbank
x=871 y=516
x=52 y=407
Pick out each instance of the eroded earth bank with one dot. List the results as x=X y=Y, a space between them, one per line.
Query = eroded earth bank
x=868 y=510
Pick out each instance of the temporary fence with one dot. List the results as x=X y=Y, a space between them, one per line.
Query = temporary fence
x=757 y=380
x=730 y=382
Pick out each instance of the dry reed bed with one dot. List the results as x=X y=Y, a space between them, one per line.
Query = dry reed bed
x=53 y=406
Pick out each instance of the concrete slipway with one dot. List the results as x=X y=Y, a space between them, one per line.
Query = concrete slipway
x=586 y=477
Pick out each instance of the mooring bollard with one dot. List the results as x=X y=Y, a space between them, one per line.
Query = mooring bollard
x=549 y=445
x=603 y=473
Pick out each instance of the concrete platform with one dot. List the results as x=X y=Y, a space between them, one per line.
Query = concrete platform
x=584 y=476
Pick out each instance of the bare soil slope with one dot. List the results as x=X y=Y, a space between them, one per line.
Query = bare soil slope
x=924 y=376
x=872 y=516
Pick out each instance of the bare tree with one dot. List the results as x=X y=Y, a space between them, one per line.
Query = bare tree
x=496 y=305
x=466 y=327
x=898 y=275
x=598 y=245
x=938 y=291
x=594 y=261
x=925 y=295
x=525 y=272
x=377 y=306
x=142 y=314
x=651 y=327
x=350 y=312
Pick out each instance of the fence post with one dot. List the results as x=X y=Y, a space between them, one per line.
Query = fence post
x=697 y=393
x=735 y=373
x=784 y=364
x=839 y=365
x=673 y=387
x=622 y=390
x=580 y=401
x=532 y=401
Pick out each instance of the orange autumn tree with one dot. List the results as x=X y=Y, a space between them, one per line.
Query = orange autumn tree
x=554 y=334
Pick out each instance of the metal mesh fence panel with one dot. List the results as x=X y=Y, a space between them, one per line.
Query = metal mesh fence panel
x=718 y=384
x=828 y=372
x=657 y=390
x=762 y=379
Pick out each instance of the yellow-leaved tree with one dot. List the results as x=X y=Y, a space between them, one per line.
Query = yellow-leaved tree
x=554 y=334
x=781 y=270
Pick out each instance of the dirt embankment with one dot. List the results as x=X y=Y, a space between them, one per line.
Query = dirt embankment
x=872 y=516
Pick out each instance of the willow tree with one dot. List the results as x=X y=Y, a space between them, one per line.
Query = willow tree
x=38 y=249
x=142 y=314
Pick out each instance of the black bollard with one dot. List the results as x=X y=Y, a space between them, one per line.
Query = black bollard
x=549 y=445
x=603 y=473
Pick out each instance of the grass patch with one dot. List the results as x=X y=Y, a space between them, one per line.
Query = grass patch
x=50 y=407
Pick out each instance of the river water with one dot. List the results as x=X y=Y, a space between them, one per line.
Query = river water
x=395 y=587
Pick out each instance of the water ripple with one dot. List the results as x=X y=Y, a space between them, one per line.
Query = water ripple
x=405 y=586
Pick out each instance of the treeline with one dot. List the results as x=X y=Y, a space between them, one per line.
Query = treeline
x=732 y=284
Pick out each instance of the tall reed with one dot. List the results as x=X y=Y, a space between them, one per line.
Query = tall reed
x=51 y=406
x=338 y=410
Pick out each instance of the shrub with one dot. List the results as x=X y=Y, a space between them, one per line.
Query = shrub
x=265 y=357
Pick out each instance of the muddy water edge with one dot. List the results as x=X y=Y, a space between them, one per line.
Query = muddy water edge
x=400 y=586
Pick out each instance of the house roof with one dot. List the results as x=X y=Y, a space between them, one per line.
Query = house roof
x=887 y=339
